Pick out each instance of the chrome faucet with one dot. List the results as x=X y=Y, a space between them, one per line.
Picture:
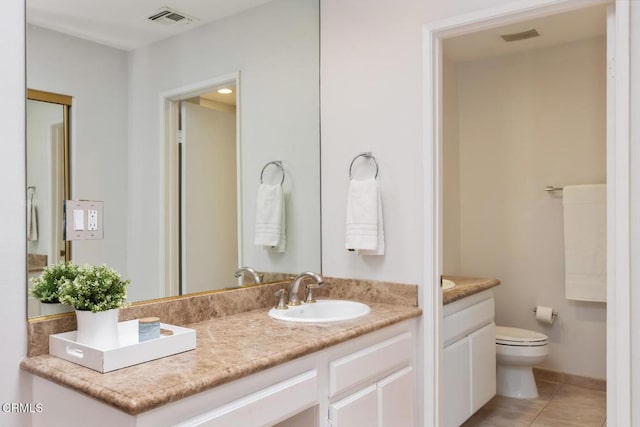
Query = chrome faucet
x=293 y=293
x=254 y=274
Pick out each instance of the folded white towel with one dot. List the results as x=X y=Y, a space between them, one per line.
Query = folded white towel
x=364 y=225
x=585 y=242
x=270 y=217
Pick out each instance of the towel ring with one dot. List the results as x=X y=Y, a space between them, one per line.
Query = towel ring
x=368 y=155
x=277 y=163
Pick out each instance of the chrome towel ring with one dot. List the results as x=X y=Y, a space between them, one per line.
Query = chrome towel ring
x=368 y=155
x=277 y=163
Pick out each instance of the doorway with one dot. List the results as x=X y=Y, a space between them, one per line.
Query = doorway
x=202 y=203
x=618 y=390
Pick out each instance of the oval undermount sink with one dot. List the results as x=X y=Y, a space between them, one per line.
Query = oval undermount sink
x=447 y=284
x=324 y=310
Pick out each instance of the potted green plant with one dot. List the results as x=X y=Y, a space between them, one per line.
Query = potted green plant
x=46 y=287
x=96 y=293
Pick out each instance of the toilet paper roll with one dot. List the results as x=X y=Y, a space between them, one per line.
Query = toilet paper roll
x=544 y=314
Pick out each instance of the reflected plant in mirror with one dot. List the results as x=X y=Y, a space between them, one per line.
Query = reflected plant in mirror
x=178 y=220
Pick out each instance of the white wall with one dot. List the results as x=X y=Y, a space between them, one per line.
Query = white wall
x=529 y=120
x=634 y=163
x=96 y=77
x=13 y=307
x=371 y=100
x=275 y=49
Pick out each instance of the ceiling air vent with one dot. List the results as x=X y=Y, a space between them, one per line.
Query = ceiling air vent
x=168 y=16
x=520 y=36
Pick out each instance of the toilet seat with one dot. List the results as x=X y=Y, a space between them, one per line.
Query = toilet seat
x=517 y=337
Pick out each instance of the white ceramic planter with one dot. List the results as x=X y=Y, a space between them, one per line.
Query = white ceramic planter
x=98 y=330
x=47 y=308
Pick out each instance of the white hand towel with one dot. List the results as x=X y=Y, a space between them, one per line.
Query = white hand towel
x=32 y=218
x=585 y=242
x=270 y=217
x=364 y=227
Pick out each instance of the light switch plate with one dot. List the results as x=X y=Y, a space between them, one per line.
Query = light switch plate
x=83 y=220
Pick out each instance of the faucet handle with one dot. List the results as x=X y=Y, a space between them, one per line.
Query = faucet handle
x=310 y=287
x=282 y=297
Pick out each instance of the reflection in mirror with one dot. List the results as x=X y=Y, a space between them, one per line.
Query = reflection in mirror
x=119 y=131
x=208 y=190
x=47 y=183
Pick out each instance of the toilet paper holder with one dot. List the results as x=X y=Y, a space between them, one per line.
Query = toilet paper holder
x=554 y=314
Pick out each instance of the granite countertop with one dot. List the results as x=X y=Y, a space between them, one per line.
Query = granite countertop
x=228 y=348
x=466 y=286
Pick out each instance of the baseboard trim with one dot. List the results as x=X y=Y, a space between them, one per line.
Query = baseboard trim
x=564 y=378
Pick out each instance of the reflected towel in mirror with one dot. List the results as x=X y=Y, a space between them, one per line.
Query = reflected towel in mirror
x=32 y=217
x=270 y=217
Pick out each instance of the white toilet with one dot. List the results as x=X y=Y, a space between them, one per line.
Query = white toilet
x=517 y=351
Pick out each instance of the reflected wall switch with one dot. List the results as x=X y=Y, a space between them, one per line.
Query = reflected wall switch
x=83 y=220
x=78 y=220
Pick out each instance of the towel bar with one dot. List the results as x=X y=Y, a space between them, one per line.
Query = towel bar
x=368 y=155
x=552 y=188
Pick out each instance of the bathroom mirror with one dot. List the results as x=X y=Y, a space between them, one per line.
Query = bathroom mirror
x=118 y=126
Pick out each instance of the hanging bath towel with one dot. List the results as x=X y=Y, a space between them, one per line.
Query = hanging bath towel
x=585 y=242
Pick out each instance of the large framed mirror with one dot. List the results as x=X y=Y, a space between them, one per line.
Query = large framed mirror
x=118 y=69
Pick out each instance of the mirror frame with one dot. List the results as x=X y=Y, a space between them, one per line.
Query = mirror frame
x=65 y=101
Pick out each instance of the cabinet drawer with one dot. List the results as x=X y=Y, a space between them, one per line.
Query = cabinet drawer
x=369 y=364
x=461 y=323
x=269 y=405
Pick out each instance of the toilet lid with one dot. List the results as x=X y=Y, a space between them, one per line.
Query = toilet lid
x=519 y=337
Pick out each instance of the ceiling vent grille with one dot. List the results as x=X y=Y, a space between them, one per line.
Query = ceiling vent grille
x=168 y=16
x=520 y=36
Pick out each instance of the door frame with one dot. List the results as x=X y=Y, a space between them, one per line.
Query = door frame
x=169 y=110
x=618 y=202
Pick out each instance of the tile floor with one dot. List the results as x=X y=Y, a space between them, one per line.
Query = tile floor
x=559 y=405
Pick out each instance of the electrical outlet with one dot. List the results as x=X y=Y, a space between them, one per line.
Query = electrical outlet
x=92 y=220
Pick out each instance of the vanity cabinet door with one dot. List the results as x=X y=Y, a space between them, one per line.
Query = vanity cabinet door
x=483 y=366
x=457 y=383
x=396 y=399
x=387 y=403
x=358 y=409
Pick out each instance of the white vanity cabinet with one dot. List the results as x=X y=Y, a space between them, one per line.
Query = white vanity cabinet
x=469 y=356
x=383 y=378
x=369 y=378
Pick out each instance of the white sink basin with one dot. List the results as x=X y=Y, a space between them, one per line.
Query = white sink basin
x=447 y=284
x=325 y=310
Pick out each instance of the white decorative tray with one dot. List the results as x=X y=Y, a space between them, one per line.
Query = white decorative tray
x=129 y=353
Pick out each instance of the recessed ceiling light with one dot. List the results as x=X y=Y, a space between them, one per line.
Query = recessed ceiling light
x=225 y=91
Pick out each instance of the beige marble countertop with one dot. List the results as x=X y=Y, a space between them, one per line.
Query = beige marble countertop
x=228 y=348
x=466 y=286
